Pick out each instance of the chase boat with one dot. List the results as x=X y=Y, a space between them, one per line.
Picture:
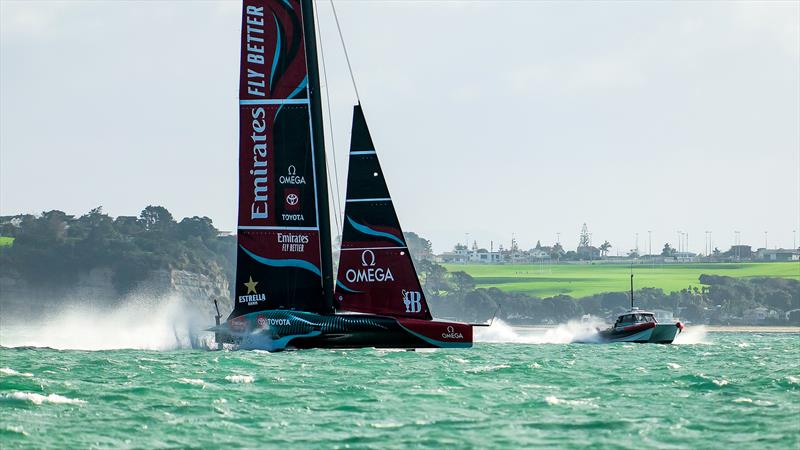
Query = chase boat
x=641 y=327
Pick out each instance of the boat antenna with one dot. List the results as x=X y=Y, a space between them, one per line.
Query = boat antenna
x=631 y=285
x=344 y=47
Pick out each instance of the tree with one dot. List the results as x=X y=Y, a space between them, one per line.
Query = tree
x=419 y=247
x=584 y=240
x=128 y=225
x=538 y=245
x=557 y=251
x=668 y=250
x=462 y=281
x=201 y=227
x=604 y=248
x=156 y=218
x=479 y=306
x=434 y=278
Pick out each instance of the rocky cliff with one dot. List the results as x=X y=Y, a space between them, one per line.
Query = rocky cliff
x=95 y=289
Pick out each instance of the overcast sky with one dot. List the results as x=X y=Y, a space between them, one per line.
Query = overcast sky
x=490 y=118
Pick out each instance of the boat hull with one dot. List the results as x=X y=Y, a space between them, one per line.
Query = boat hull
x=650 y=333
x=277 y=330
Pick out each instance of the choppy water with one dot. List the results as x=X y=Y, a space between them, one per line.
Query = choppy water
x=726 y=390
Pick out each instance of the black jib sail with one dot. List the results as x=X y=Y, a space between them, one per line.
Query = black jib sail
x=376 y=274
x=283 y=235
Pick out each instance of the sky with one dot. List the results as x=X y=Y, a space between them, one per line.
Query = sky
x=492 y=119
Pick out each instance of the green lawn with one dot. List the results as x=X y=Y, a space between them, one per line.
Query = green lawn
x=580 y=280
x=6 y=241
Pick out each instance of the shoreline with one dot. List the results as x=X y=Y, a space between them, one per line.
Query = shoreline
x=749 y=328
x=708 y=328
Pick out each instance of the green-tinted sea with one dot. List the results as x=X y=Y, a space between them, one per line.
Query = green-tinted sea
x=723 y=390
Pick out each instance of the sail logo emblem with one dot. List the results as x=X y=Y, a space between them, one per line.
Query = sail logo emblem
x=252 y=297
x=292 y=177
x=292 y=199
x=368 y=273
x=452 y=333
x=265 y=322
x=364 y=258
x=413 y=301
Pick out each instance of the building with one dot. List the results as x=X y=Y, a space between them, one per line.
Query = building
x=777 y=254
x=759 y=315
x=463 y=255
x=539 y=253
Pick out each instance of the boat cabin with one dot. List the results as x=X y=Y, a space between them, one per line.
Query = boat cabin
x=635 y=317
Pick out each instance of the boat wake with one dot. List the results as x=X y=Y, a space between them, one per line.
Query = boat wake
x=692 y=334
x=142 y=323
x=570 y=332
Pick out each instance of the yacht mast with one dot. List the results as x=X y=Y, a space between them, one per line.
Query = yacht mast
x=318 y=142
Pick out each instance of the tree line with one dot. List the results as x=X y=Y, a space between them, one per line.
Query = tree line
x=54 y=248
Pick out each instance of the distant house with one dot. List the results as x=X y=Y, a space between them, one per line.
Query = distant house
x=758 y=315
x=463 y=255
x=539 y=253
x=777 y=254
x=458 y=256
x=685 y=256
x=739 y=252
x=484 y=256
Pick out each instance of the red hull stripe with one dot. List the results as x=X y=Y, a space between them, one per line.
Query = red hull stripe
x=640 y=327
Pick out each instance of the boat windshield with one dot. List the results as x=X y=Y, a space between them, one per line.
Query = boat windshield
x=636 y=318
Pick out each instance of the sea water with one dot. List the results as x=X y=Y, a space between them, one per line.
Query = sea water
x=516 y=388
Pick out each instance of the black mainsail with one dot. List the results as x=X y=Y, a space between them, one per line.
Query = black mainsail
x=283 y=256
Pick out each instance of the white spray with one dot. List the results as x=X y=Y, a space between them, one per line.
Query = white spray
x=692 y=334
x=145 y=323
x=572 y=331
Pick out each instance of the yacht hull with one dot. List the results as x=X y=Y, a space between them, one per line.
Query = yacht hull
x=647 y=333
x=277 y=330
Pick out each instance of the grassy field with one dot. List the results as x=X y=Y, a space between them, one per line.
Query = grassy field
x=580 y=280
x=6 y=241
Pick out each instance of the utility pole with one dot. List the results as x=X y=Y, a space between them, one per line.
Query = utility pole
x=794 y=239
x=765 y=240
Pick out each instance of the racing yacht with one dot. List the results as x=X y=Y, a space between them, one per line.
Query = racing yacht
x=286 y=296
